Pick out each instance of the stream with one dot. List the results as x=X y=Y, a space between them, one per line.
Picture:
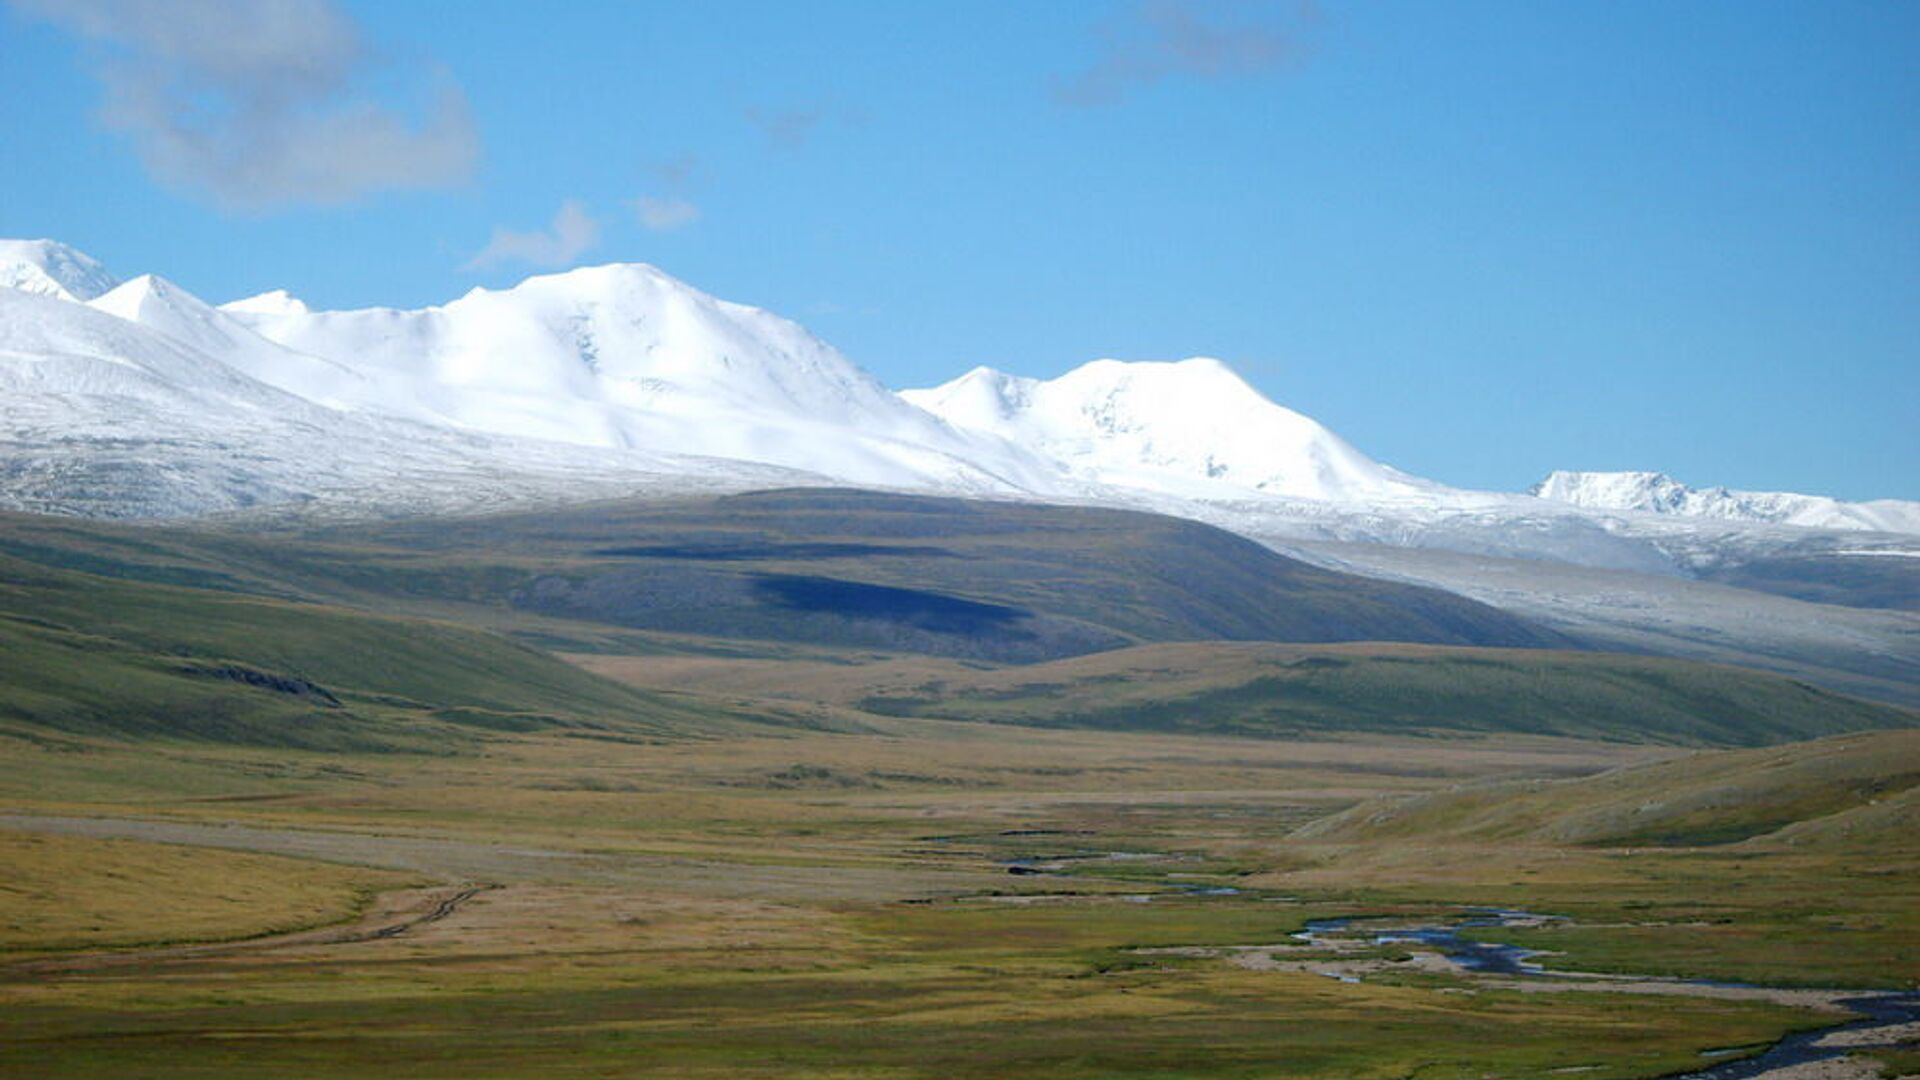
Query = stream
x=1877 y=1009
x=1484 y=957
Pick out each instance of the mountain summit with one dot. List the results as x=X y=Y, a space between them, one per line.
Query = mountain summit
x=1182 y=427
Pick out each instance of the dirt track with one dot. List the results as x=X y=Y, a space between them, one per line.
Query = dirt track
x=393 y=914
x=463 y=861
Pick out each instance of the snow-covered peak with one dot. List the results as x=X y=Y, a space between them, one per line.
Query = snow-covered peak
x=1658 y=493
x=156 y=302
x=166 y=308
x=271 y=302
x=50 y=268
x=627 y=356
x=1629 y=490
x=1190 y=426
x=625 y=334
x=982 y=399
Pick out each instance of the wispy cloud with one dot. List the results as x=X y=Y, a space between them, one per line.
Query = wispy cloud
x=258 y=104
x=572 y=233
x=669 y=207
x=788 y=127
x=678 y=174
x=1161 y=39
x=662 y=214
x=793 y=126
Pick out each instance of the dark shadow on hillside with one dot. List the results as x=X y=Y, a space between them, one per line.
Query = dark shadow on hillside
x=759 y=550
x=929 y=611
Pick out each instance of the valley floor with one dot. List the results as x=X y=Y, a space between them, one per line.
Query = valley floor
x=914 y=899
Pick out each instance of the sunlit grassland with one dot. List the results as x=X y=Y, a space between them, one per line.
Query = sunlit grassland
x=579 y=982
x=898 y=780
x=822 y=903
x=63 y=893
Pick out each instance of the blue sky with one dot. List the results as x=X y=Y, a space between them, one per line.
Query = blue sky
x=1479 y=240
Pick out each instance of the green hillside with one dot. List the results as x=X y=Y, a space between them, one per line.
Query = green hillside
x=1001 y=582
x=1848 y=790
x=1278 y=690
x=87 y=655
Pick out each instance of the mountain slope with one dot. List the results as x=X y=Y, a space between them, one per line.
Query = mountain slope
x=997 y=581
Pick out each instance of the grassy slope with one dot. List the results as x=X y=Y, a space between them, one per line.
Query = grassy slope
x=1002 y=581
x=66 y=892
x=1277 y=690
x=1856 y=789
x=96 y=656
x=1791 y=865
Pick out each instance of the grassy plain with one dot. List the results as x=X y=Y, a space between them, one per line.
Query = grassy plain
x=839 y=904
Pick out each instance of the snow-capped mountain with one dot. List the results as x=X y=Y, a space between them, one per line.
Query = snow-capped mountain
x=1658 y=493
x=140 y=400
x=103 y=417
x=609 y=379
x=625 y=356
x=49 y=268
x=1192 y=427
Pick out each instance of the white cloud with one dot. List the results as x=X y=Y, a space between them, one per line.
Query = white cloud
x=572 y=233
x=1164 y=38
x=257 y=104
x=664 y=214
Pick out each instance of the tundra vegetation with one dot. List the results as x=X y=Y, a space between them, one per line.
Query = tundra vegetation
x=295 y=803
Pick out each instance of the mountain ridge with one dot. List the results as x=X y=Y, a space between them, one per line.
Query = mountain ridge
x=1658 y=493
x=616 y=375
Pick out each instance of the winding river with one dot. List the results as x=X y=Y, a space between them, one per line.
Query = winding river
x=1876 y=1009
